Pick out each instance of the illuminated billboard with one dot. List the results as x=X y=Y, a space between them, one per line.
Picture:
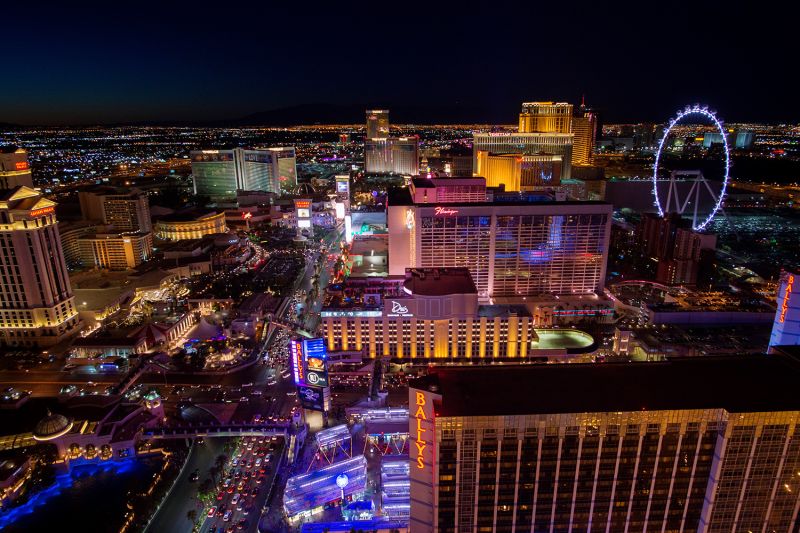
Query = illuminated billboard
x=309 y=362
x=339 y=207
x=316 y=355
x=303 y=213
x=311 y=398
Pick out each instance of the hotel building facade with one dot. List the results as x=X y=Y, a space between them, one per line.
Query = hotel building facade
x=14 y=168
x=218 y=174
x=392 y=155
x=37 y=307
x=127 y=211
x=115 y=251
x=377 y=124
x=513 y=245
x=425 y=315
x=611 y=448
x=181 y=226
x=559 y=144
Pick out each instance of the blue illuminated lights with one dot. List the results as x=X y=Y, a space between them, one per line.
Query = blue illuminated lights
x=63 y=483
x=703 y=111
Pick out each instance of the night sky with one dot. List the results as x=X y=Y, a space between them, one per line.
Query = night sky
x=201 y=62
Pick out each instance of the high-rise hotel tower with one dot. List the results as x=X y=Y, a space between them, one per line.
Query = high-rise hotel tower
x=36 y=302
x=703 y=444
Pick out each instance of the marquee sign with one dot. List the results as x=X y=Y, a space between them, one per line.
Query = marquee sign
x=786 y=295
x=42 y=211
x=444 y=211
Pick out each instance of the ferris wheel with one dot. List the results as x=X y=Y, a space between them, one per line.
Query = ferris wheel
x=700 y=187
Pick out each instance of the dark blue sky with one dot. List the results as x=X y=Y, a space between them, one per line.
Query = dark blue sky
x=160 y=61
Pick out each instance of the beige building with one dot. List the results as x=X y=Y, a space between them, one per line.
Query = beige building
x=585 y=129
x=703 y=444
x=36 y=302
x=545 y=117
x=529 y=144
x=518 y=172
x=126 y=210
x=190 y=225
x=428 y=314
x=115 y=251
x=14 y=168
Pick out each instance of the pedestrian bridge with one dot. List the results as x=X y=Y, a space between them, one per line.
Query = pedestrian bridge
x=218 y=430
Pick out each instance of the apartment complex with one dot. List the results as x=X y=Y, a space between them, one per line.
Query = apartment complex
x=612 y=447
x=36 y=301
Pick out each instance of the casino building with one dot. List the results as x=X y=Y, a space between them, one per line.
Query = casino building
x=433 y=314
x=697 y=444
x=514 y=244
x=37 y=307
x=190 y=225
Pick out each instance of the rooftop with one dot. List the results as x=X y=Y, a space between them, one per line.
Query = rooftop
x=402 y=196
x=738 y=384
x=439 y=281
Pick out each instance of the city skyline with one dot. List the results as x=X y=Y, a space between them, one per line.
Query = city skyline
x=171 y=65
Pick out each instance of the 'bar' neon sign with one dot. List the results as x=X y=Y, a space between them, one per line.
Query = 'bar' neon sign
x=786 y=295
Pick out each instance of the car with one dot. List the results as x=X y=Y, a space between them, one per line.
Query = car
x=247 y=509
x=195 y=476
x=230 y=490
x=220 y=510
x=258 y=461
x=259 y=479
x=240 y=505
x=220 y=495
x=242 y=524
x=240 y=486
x=227 y=516
x=235 y=461
x=235 y=498
x=254 y=492
x=212 y=512
x=227 y=482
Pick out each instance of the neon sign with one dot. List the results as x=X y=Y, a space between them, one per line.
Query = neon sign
x=21 y=165
x=420 y=442
x=42 y=211
x=398 y=309
x=410 y=219
x=247 y=214
x=302 y=204
x=786 y=296
x=445 y=211
x=297 y=357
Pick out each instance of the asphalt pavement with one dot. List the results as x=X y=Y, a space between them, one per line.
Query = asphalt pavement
x=172 y=516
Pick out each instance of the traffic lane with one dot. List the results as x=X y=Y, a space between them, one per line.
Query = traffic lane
x=172 y=515
x=250 y=505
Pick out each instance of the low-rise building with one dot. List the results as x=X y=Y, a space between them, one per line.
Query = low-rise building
x=190 y=225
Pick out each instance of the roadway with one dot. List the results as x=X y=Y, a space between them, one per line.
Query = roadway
x=172 y=515
x=250 y=474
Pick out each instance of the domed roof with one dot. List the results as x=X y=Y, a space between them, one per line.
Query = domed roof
x=52 y=426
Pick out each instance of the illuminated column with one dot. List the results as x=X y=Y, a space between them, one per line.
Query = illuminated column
x=511 y=335
x=413 y=338
x=482 y=351
x=359 y=332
